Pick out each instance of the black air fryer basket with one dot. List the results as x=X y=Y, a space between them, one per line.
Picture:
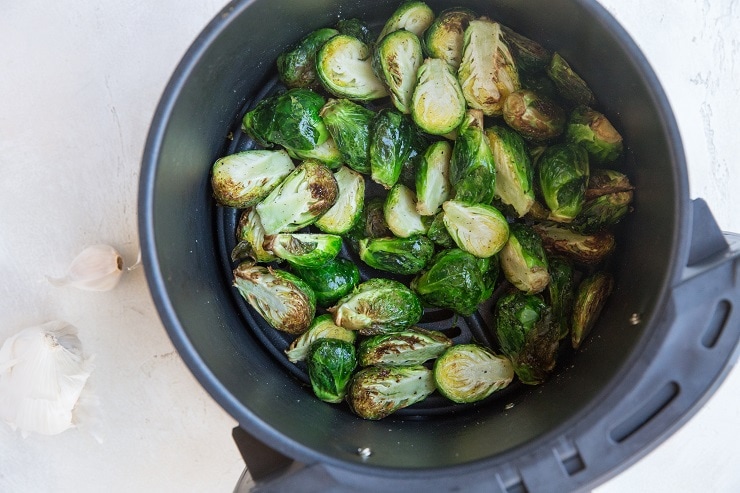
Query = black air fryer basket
x=664 y=342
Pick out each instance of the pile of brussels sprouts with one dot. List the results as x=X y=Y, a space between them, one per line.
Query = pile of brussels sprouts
x=448 y=151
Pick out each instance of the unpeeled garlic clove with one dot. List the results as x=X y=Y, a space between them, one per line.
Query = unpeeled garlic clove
x=96 y=268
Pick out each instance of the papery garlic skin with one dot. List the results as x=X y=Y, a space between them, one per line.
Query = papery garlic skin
x=42 y=373
x=96 y=268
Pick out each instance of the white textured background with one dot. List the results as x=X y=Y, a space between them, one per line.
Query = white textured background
x=79 y=82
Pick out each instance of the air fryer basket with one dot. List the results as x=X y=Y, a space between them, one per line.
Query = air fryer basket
x=664 y=341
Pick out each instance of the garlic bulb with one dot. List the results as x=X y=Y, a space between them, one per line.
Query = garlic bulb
x=96 y=268
x=42 y=374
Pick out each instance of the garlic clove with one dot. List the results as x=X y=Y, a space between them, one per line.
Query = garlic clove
x=96 y=268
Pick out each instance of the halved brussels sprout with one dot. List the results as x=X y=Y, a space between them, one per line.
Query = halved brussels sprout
x=378 y=391
x=438 y=104
x=444 y=37
x=523 y=260
x=330 y=282
x=561 y=290
x=514 y=171
x=355 y=28
x=487 y=73
x=397 y=60
x=590 y=300
x=563 y=177
x=409 y=347
x=250 y=236
x=304 y=249
x=378 y=306
x=242 y=179
x=438 y=233
x=432 y=178
x=470 y=372
x=529 y=55
x=592 y=130
x=537 y=118
x=284 y=301
x=401 y=215
x=602 y=212
x=347 y=209
x=606 y=181
x=344 y=67
x=411 y=15
x=568 y=83
x=322 y=327
x=472 y=168
x=398 y=255
x=330 y=364
x=479 y=229
x=390 y=144
x=328 y=153
x=584 y=249
x=297 y=66
x=349 y=125
x=304 y=195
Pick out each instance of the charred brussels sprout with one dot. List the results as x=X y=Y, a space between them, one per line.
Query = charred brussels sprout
x=330 y=282
x=530 y=56
x=432 y=178
x=469 y=372
x=472 y=169
x=602 y=212
x=589 y=301
x=286 y=302
x=355 y=28
x=344 y=67
x=401 y=215
x=241 y=180
x=398 y=57
x=476 y=228
x=347 y=208
x=378 y=306
x=438 y=104
x=378 y=391
x=398 y=255
x=330 y=364
x=413 y=16
x=390 y=145
x=535 y=117
x=372 y=222
x=304 y=249
x=584 y=249
x=250 y=236
x=322 y=327
x=561 y=291
x=304 y=195
x=297 y=66
x=606 y=181
x=523 y=260
x=349 y=126
x=409 y=347
x=563 y=177
x=514 y=171
x=444 y=37
x=568 y=83
x=592 y=130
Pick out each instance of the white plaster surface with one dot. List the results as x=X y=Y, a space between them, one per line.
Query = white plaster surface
x=79 y=82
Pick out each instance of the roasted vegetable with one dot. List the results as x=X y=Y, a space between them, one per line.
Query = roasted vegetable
x=471 y=372
x=438 y=233
x=438 y=104
x=589 y=301
x=397 y=59
x=349 y=125
x=602 y=212
x=568 y=83
x=355 y=28
x=401 y=215
x=304 y=249
x=378 y=391
x=563 y=172
x=444 y=37
x=595 y=133
x=561 y=291
x=536 y=117
x=476 y=228
x=297 y=66
x=242 y=179
x=331 y=281
x=409 y=347
x=347 y=208
x=390 y=144
x=530 y=56
x=322 y=327
x=344 y=67
x=413 y=16
x=472 y=169
x=523 y=260
x=372 y=222
x=584 y=249
x=328 y=153
x=330 y=364
x=606 y=181
x=432 y=178
x=514 y=171
x=250 y=236
x=397 y=255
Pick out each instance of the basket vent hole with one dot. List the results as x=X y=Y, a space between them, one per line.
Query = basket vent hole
x=517 y=487
x=716 y=324
x=573 y=464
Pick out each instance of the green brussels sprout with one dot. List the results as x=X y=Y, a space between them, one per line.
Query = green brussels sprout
x=561 y=291
x=304 y=195
x=328 y=153
x=409 y=347
x=537 y=118
x=489 y=267
x=250 y=237
x=332 y=281
x=322 y=327
x=541 y=84
x=330 y=364
x=584 y=249
x=397 y=60
x=563 y=178
x=304 y=249
x=297 y=66
x=602 y=212
x=419 y=145
x=290 y=119
x=242 y=179
x=606 y=181
x=479 y=229
x=487 y=73
x=569 y=84
x=530 y=56
x=592 y=130
x=347 y=209
x=378 y=306
x=390 y=144
x=470 y=372
x=372 y=224
x=523 y=260
x=398 y=255
x=589 y=301
x=401 y=215
x=472 y=168
x=527 y=335
x=344 y=67
x=432 y=178
x=444 y=37
x=285 y=301
x=349 y=126
x=514 y=170
x=378 y=391
x=413 y=16
x=438 y=233
x=438 y=104
x=355 y=28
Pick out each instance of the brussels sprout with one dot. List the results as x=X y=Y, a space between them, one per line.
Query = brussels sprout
x=328 y=153
x=349 y=126
x=290 y=119
x=487 y=71
x=438 y=233
x=584 y=249
x=297 y=66
x=541 y=84
x=589 y=301
x=398 y=57
x=398 y=255
x=330 y=282
x=444 y=37
x=529 y=55
x=419 y=144
x=606 y=181
x=523 y=260
x=344 y=67
x=472 y=169
x=355 y=28
x=322 y=327
x=563 y=177
x=284 y=301
x=304 y=249
x=330 y=364
x=412 y=16
x=527 y=336
x=432 y=178
x=568 y=83
x=401 y=214
x=469 y=372
x=479 y=229
x=304 y=195
x=378 y=391
x=438 y=104
x=514 y=171
x=378 y=306
x=455 y=279
x=537 y=118
x=602 y=212
x=390 y=144
x=250 y=237
x=410 y=347
x=561 y=290
x=595 y=133
x=347 y=209
x=489 y=267
x=373 y=224
x=241 y=180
